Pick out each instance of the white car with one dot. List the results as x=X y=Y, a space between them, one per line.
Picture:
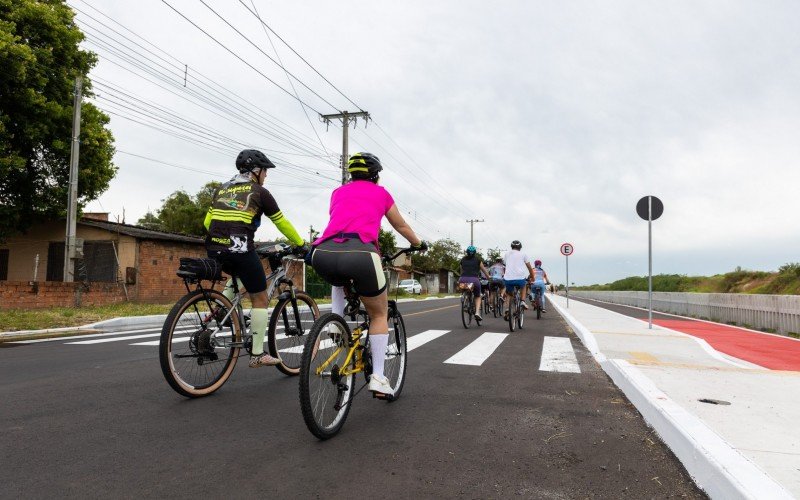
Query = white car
x=410 y=286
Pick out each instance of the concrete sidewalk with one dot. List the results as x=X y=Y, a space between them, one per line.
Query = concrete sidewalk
x=744 y=442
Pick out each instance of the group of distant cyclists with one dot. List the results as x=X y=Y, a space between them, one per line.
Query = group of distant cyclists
x=345 y=255
x=507 y=274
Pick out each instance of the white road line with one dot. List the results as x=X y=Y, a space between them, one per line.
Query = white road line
x=115 y=339
x=558 y=356
x=157 y=342
x=56 y=339
x=423 y=338
x=479 y=350
x=325 y=344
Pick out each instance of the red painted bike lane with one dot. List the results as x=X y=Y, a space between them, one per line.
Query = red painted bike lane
x=769 y=351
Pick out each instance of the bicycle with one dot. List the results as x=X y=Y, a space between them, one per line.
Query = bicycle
x=498 y=304
x=536 y=301
x=485 y=304
x=334 y=354
x=467 y=303
x=204 y=332
x=516 y=314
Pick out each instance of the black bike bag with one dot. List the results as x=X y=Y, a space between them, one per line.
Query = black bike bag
x=200 y=269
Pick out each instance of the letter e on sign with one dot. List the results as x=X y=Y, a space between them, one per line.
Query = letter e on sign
x=567 y=249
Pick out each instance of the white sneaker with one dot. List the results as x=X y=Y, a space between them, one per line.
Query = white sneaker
x=523 y=305
x=334 y=332
x=380 y=384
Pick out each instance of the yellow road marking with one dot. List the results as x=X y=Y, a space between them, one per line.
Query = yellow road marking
x=432 y=310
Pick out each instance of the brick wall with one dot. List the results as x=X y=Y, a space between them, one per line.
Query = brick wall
x=156 y=281
x=24 y=295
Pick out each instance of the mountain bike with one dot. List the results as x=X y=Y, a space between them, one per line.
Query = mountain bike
x=204 y=332
x=334 y=354
x=516 y=314
x=467 y=303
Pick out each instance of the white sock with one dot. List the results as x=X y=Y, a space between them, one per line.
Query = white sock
x=377 y=346
x=337 y=300
x=228 y=290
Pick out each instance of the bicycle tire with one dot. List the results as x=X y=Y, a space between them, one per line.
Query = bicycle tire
x=538 y=306
x=294 y=336
x=495 y=308
x=513 y=311
x=521 y=315
x=178 y=356
x=466 y=317
x=394 y=367
x=320 y=394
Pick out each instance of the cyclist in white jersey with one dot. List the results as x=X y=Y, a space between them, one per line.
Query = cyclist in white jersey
x=518 y=272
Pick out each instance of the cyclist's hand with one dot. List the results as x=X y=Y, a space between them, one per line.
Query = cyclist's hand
x=301 y=250
x=423 y=245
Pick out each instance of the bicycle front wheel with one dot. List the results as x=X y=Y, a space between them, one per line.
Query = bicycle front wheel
x=513 y=312
x=326 y=383
x=394 y=367
x=198 y=350
x=288 y=330
x=466 y=310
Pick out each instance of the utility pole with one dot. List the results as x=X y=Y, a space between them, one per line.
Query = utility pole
x=471 y=229
x=72 y=196
x=346 y=118
x=312 y=235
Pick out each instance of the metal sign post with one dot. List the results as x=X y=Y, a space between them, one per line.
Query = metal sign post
x=566 y=251
x=649 y=208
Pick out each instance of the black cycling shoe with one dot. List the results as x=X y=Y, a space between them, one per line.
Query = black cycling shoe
x=478 y=319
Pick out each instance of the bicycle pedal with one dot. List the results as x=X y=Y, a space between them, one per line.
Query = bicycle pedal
x=379 y=395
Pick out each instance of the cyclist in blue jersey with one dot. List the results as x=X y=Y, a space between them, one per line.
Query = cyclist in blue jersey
x=540 y=279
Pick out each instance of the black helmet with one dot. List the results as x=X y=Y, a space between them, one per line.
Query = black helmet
x=364 y=166
x=516 y=245
x=251 y=159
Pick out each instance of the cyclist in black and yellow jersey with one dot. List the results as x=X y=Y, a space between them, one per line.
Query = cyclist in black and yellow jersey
x=231 y=221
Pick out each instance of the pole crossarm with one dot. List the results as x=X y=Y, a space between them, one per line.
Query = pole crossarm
x=346 y=117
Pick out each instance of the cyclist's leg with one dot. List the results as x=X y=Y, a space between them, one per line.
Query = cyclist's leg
x=476 y=292
x=378 y=311
x=541 y=288
x=337 y=300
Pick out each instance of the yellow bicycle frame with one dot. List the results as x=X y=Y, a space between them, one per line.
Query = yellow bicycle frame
x=355 y=351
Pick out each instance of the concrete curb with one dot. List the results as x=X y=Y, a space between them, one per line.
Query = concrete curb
x=718 y=468
x=126 y=323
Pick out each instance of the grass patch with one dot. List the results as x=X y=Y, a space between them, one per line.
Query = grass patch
x=60 y=317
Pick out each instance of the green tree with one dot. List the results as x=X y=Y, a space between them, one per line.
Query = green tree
x=40 y=61
x=494 y=254
x=181 y=213
x=386 y=242
x=444 y=253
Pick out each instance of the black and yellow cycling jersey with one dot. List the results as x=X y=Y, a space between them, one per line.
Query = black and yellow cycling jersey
x=235 y=214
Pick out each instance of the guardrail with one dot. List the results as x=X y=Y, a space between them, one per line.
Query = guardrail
x=772 y=313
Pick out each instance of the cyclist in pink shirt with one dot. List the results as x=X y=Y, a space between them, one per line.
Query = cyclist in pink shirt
x=347 y=251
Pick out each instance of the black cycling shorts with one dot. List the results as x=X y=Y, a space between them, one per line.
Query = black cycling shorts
x=245 y=266
x=351 y=260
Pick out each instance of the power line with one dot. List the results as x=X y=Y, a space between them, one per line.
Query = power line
x=298 y=55
x=234 y=54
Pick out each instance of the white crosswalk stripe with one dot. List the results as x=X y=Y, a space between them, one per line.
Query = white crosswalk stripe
x=558 y=356
x=423 y=338
x=479 y=350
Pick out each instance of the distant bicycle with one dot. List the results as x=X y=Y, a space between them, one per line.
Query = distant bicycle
x=536 y=301
x=515 y=314
x=498 y=304
x=486 y=305
x=204 y=332
x=467 y=303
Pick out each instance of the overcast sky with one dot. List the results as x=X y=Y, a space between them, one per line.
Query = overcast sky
x=548 y=120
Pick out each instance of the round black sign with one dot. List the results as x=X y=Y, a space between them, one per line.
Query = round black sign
x=649 y=208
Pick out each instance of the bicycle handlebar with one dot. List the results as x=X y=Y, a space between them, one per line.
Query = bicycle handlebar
x=403 y=251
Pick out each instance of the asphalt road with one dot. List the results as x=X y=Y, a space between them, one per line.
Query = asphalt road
x=98 y=420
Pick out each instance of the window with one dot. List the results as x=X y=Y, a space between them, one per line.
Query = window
x=98 y=263
x=3 y=264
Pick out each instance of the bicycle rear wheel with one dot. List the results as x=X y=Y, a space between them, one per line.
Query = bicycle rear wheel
x=394 y=368
x=198 y=351
x=466 y=307
x=538 y=306
x=325 y=392
x=288 y=330
x=521 y=315
x=513 y=311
